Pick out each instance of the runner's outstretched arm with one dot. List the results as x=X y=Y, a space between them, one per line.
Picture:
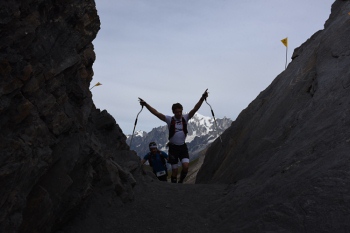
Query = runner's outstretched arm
x=161 y=116
x=199 y=104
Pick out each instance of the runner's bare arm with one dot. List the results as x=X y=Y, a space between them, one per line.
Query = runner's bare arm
x=161 y=116
x=199 y=104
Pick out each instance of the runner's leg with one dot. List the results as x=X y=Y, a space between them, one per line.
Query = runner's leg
x=185 y=160
x=184 y=171
x=174 y=173
x=173 y=159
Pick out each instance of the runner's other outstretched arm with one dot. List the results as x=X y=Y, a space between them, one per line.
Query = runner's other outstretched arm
x=199 y=104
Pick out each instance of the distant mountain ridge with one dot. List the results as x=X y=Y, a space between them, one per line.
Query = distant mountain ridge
x=201 y=132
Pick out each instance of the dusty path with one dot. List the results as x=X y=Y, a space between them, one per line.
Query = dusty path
x=157 y=207
x=193 y=170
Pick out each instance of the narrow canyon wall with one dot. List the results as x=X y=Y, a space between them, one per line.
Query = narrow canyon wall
x=287 y=153
x=56 y=147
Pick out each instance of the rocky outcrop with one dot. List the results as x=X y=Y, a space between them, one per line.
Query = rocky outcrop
x=287 y=153
x=56 y=148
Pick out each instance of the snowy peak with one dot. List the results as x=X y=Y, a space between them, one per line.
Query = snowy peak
x=140 y=133
x=202 y=131
x=200 y=121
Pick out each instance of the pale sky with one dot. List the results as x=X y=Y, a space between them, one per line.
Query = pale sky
x=168 y=51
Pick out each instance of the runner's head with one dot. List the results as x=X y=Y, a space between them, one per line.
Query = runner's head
x=177 y=110
x=152 y=146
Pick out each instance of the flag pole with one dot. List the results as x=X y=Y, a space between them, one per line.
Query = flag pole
x=285 y=42
x=285 y=67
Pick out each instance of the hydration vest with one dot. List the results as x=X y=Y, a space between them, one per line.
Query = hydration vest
x=172 y=127
x=152 y=157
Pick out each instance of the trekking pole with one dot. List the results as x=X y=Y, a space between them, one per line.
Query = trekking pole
x=132 y=136
x=216 y=125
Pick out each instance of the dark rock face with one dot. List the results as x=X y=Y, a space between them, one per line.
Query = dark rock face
x=56 y=147
x=287 y=153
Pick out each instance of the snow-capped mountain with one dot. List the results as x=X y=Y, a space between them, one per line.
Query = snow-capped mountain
x=201 y=132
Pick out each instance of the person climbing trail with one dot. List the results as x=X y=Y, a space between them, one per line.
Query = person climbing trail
x=177 y=125
x=157 y=160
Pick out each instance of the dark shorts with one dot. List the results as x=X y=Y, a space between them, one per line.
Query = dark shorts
x=163 y=178
x=177 y=153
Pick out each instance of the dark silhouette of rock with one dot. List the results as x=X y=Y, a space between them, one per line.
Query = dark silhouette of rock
x=56 y=148
x=287 y=153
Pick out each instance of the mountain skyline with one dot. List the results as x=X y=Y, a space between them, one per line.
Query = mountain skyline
x=202 y=131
